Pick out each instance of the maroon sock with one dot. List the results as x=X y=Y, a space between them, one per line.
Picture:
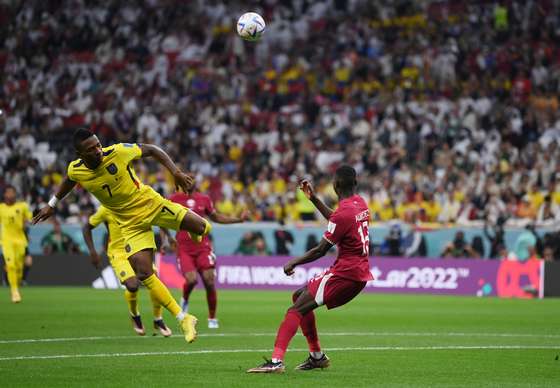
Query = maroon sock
x=212 y=298
x=187 y=289
x=309 y=329
x=286 y=332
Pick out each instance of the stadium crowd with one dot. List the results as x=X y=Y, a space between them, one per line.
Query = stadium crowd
x=448 y=110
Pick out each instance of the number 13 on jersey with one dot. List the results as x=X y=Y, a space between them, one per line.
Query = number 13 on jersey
x=364 y=236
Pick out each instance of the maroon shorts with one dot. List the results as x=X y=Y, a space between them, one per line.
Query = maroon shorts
x=332 y=290
x=196 y=261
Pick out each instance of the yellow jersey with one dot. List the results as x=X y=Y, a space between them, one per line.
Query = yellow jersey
x=116 y=239
x=115 y=184
x=12 y=221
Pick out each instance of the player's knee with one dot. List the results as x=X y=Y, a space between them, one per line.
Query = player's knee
x=144 y=273
x=295 y=295
x=132 y=284
x=191 y=279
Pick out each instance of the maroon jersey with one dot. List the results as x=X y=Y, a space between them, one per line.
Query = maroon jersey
x=348 y=229
x=202 y=205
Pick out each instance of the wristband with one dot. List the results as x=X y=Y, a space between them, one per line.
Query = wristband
x=53 y=201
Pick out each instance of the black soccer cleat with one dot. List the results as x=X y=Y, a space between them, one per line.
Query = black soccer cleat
x=313 y=363
x=137 y=325
x=268 y=367
x=163 y=329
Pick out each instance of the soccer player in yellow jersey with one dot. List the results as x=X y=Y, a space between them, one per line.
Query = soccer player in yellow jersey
x=109 y=175
x=122 y=268
x=13 y=218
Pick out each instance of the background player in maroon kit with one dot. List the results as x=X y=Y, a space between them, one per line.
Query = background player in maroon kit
x=196 y=257
x=347 y=228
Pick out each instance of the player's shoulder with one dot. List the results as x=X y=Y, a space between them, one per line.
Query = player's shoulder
x=75 y=166
x=350 y=207
x=112 y=148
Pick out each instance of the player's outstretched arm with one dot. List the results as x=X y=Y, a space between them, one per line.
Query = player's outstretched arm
x=309 y=192
x=88 y=237
x=221 y=218
x=65 y=188
x=182 y=180
x=311 y=255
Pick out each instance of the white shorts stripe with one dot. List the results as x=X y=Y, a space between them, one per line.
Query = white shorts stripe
x=319 y=297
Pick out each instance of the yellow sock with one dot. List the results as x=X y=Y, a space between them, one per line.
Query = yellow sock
x=161 y=294
x=157 y=309
x=20 y=274
x=13 y=278
x=132 y=301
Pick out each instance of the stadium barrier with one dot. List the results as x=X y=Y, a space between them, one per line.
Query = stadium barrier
x=62 y=270
x=502 y=278
x=227 y=237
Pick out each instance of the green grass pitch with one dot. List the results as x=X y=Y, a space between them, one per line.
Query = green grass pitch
x=82 y=337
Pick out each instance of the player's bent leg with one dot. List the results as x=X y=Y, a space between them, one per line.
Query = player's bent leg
x=196 y=226
x=316 y=359
x=304 y=304
x=208 y=277
x=142 y=263
x=131 y=296
x=188 y=287
x=159 y=324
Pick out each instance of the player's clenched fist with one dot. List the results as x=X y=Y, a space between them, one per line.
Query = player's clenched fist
x=183 y=181
x=307 y=188
x=43 y=214
x=289 y=268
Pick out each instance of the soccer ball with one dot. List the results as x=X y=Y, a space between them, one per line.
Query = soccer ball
x=250 y=26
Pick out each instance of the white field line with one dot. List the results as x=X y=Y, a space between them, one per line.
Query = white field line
x=222 y=351
x=331 y=334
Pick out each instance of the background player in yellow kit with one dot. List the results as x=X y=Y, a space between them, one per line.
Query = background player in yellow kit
x=108 y=174
x=13 y=218
x=122 y=268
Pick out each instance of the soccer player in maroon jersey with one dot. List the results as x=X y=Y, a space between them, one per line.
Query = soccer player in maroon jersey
x=196 y=257
x=348 y=229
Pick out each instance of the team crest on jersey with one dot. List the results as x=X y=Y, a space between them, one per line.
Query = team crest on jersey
x=112 y=169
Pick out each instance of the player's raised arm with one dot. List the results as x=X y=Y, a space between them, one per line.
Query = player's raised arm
x=309 y=192
x=182 y=180
x=65 y=188
x=311 y=255
x=221 y=218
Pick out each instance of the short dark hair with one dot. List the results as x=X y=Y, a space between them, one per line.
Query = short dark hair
x=80 y=135
x=345 y=175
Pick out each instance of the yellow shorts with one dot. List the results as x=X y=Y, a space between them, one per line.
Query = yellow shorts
x=122 y=267
x=14 y=253
x=140 y=236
